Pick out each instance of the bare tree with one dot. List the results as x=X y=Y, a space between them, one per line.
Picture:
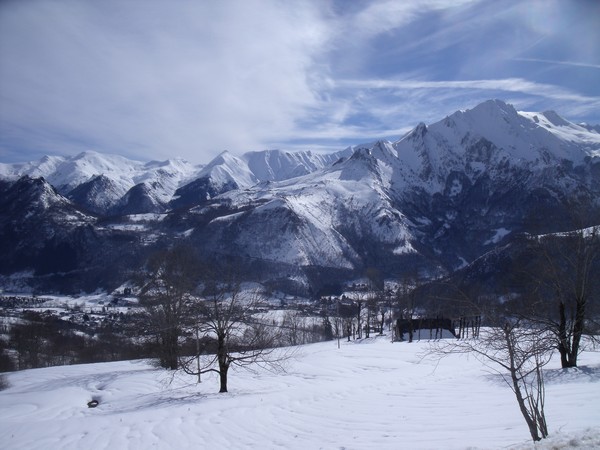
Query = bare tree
x=406 y=303
x=359 y=310
x=293 y=325
x=226 y=319
x=517 y=352
x=166 y=295
x=375 y=295
x=568 y=275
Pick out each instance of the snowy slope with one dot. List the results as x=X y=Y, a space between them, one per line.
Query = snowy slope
x=433 y=201
x=368 y=394
x=491 y=134
x=448 y=191
x=228 y=172
x=277 y=165
x=42 y=168
x=320 y=219
x=101 y=182
x=98 y=181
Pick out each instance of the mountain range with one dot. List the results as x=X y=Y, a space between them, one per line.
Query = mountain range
x=431 y=202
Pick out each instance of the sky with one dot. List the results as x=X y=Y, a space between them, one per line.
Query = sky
x=159 y=79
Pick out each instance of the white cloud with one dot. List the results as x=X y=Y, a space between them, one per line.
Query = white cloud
x=386 y=108
x=383 y=16
x=508 y=84
x=156 y=79
x=162 y=78
x=564 y=63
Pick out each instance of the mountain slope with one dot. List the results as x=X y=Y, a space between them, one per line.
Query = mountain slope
x=98 y=182
x=37 y=227
x=436 y=199
x=52 y=245
x=101 y=183
x=227 y=172
x=431 y=202
x=98 y=194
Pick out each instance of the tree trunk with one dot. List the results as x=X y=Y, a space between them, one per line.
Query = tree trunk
x=170 y=350
x=531 y=424
x=359 y=325
x=223 y=362
x=569 y=347
x=578 y=327
x=563 y=345
x=223 y=377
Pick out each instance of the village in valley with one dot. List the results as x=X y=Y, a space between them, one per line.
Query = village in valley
x=87 y=327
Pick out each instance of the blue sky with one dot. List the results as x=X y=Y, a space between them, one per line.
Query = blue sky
x=152 y=79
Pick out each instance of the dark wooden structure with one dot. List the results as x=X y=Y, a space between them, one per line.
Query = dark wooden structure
x=433 y=328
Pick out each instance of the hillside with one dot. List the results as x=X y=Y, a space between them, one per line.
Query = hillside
x=368 y=394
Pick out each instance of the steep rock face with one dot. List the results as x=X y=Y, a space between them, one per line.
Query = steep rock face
x=340 y=218
x=476 y=177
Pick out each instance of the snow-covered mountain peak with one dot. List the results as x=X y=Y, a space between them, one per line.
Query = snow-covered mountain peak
x=278 y=165
x=437 y=198
x=170 y=174
x=221 y=158
x=555 y=119
x=535 y=138
x=36 y=195
x=228 y=169
x=104 y=162
x=590 y=128
x=488 y=139
x=73 y=171
x=493 y=108
x=568 y=133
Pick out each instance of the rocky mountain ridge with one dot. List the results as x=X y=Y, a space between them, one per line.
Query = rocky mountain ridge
x=431 y=202
x=113 y=185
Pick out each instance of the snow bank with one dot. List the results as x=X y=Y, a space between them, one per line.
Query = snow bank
x=369 y=394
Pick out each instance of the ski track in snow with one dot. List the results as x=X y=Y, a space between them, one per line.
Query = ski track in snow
x=371 y=394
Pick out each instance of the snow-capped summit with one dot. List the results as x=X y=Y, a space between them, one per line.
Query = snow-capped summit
x=432 y=201
x=227 y=172
x=518 y=132
x=486 y=136
x=444 y=192
x=277 y=165
x=98 y=181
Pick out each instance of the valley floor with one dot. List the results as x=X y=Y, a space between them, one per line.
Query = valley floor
x=366 y=395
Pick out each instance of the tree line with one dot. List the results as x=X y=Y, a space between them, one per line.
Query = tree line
x=548 y=302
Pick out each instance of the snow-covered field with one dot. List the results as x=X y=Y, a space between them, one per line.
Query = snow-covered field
x=366 y=395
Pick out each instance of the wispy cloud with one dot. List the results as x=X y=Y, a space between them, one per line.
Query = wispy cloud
x=168 y=79
x=508 y=84
x=191 y=78
x=563 y=63
x=378 y=108
x=381 y=17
